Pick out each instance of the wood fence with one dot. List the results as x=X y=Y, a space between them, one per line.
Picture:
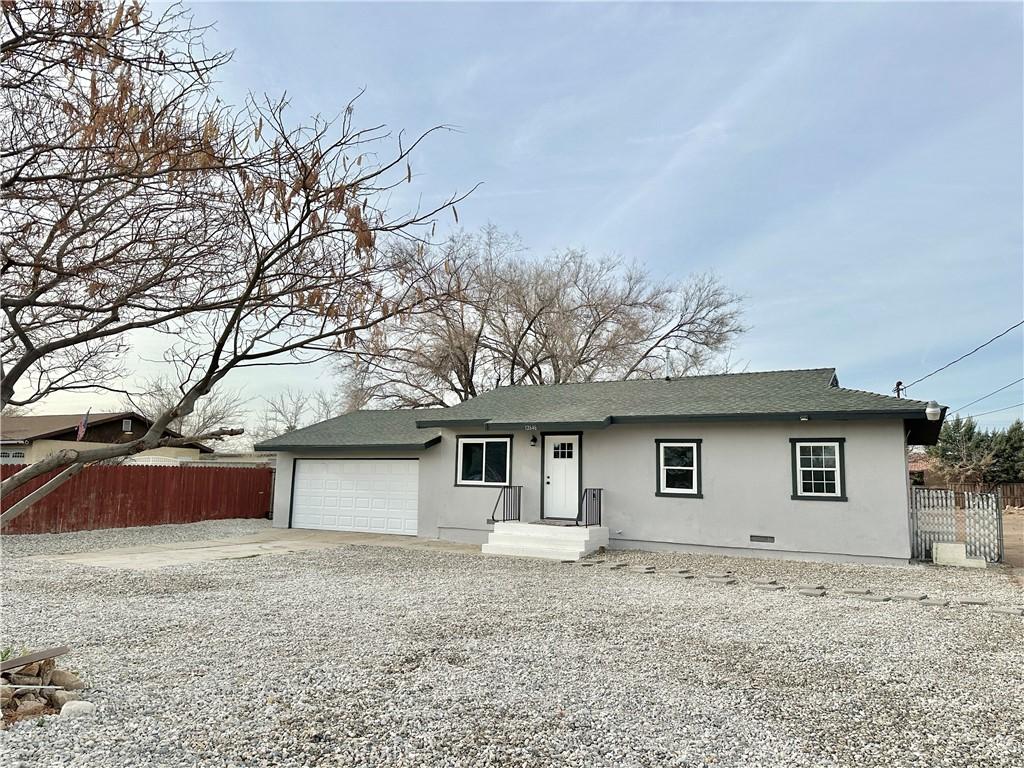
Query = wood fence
x=1012 y=493
x=121 y=496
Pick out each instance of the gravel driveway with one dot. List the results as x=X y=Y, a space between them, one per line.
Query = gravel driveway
x=390 y=657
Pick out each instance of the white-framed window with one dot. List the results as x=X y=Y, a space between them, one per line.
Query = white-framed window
x=819 y=468
x=678 y=468
x=126 y=425
x=483 y=460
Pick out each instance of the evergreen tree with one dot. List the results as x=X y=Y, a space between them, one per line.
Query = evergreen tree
x=1007 y=455
x=964 y=453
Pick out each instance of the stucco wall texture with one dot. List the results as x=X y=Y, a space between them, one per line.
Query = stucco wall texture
x=746 y=470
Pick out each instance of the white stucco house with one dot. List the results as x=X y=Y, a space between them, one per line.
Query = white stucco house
x=776 y=463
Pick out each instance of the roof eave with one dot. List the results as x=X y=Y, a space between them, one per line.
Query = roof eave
x=263 y=447
x=781 y=416
x=548 y=425
x=449 y=423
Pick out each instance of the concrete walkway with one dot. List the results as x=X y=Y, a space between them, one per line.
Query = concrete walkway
x=276 y=541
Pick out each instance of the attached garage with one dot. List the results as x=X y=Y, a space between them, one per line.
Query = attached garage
x=358 y=472
x=366 y=495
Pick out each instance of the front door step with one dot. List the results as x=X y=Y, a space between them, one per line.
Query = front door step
x=548 y=542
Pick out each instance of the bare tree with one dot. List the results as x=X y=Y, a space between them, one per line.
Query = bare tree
x=133 y=199
x=569 y=317
x=294 y=409
x=221 y=407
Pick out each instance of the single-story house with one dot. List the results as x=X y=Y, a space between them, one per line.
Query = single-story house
x=26 y=439
x=775 y=463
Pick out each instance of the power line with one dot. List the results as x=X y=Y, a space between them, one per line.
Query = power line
x=997 y=410
x=982 y=346
x=986 y=397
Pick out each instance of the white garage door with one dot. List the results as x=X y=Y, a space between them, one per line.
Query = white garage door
x=371 y=495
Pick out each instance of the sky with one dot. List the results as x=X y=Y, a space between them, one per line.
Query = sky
x=854 y=170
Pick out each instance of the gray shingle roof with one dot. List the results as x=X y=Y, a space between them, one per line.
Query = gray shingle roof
x=734 y=396
x=813 y=392
x=360 y=429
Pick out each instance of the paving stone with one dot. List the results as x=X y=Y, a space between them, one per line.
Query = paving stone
x=973 y=601
x=810 y=586
x=722 y=575
x=683 y=575
x=722 y=579
x=769 y=587
x=763 y=580
x=857 y=591
x=587 y=565
x=909 y=597
x=1007 y=609
x=935 y=601
x=876 y=598
x=811 y=591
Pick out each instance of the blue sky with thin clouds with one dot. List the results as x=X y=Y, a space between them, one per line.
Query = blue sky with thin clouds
x=854 y=169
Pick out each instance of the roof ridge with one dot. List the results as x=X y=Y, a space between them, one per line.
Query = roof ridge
x=673 y=378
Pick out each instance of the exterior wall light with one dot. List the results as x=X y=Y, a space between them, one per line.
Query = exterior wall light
x=805 y=418
x=933 y=411
x=533 y=441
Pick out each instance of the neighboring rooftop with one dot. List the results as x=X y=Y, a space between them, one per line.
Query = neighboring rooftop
x=813 y=393
x=360 y=429
x=23 y=429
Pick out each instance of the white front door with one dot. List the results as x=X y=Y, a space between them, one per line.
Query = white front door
x=561 y=476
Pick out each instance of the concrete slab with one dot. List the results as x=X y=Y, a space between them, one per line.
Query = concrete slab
x=910 y=597
x=955 y=554
x=271 y=542
x=1008 y=610
x=811 y=592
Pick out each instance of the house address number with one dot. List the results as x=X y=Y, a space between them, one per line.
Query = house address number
x=530 y=427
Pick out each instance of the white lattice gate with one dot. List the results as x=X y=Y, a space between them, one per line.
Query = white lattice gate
x=943 y=515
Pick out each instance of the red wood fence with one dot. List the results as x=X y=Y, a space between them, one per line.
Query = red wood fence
x=1012 y=493
x=125 y=495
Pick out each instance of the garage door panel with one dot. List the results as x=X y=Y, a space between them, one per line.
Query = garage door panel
x=377 y=496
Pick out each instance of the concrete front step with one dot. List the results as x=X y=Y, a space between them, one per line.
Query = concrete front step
x=544 y=553
x=527 y=542
x=542 y=531
x=550 y=542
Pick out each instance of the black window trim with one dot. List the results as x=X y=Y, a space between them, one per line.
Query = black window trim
x=794 y=443
x=459 y=483
x=698 y=492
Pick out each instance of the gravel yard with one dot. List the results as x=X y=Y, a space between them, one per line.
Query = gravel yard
x=384 y=656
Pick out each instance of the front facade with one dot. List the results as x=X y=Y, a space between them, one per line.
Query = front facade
x=668 y=467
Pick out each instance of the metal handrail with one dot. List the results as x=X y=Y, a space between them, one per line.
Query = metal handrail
x=590 y=507
x=508 y=499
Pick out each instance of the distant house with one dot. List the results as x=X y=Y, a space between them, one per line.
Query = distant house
x=26 y=439
x=922 y=469
x=777 y=463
